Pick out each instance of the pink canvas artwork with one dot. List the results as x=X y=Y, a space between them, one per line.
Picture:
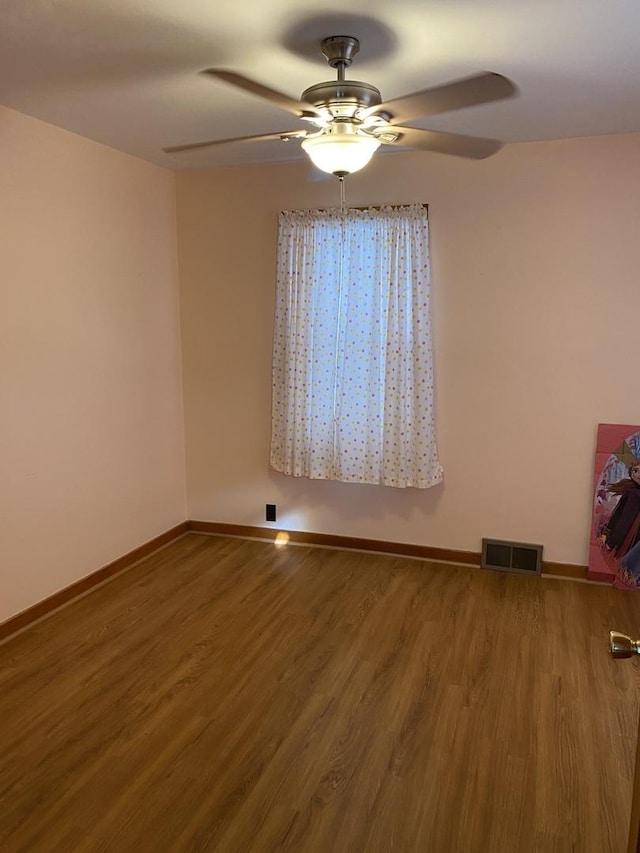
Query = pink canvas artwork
x=614 y=548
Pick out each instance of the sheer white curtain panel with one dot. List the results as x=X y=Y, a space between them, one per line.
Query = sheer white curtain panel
x=352 y=355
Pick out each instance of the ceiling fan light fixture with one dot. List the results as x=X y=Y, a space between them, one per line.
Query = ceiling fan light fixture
x=340 y=153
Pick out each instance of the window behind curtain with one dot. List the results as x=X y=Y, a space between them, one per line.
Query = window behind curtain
x=352 y=357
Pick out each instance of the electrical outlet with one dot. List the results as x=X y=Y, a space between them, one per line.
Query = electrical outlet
x=271 y=512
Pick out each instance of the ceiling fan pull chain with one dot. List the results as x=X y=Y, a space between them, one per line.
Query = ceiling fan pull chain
x=343 y=197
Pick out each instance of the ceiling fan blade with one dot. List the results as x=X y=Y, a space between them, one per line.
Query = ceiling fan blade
x=444 y=143
x=248 y=85
x=285 y=136
x=467 y=92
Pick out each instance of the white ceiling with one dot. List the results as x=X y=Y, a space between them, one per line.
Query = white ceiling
x=126 y=72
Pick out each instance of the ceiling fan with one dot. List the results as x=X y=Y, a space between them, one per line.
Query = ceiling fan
x=350 y=120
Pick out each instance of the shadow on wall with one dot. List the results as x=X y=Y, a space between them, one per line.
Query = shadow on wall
x=352 y=502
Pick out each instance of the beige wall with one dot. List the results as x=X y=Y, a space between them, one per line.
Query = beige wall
x=536 y=299
x=91 y=425
x=536 y=295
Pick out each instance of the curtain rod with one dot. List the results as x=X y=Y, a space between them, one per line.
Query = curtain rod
x=371 y=207
x=392 y=206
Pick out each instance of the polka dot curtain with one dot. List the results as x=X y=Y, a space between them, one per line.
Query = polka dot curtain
x=352 y=356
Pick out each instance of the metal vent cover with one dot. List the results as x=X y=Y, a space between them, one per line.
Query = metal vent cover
x=511 y=556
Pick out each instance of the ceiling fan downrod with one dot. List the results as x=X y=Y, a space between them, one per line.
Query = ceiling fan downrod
x=341 y=97
x=339 y=52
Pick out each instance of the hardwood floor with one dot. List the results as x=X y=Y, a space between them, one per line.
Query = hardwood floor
x=228 y=695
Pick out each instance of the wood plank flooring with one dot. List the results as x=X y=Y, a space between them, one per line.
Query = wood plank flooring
x=229 y=695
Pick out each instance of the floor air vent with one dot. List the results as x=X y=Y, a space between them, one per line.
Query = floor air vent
x=511 y=556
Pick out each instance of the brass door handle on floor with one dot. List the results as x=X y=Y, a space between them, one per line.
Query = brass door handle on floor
x=622 y=646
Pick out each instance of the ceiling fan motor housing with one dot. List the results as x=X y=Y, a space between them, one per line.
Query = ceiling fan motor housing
x=339 y=93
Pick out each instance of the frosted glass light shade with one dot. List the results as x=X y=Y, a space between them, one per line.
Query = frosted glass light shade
x=340 y=154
